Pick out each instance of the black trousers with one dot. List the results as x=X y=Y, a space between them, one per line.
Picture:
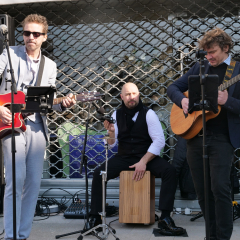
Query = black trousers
x=221 y=153
x=158 y=167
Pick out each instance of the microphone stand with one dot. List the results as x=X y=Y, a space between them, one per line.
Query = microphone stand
x=84 y=159
x=206 y=103
x=14 y=109
x=205 y=153
x=84 y=162
x=106 y=229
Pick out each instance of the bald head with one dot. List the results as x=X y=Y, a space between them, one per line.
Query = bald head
x=130 y=95
x=129 y=87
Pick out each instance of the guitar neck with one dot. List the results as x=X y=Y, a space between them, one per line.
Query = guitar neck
x=229 y=83
x=82 y=97
x=59 y=100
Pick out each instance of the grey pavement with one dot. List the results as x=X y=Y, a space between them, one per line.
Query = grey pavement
x=56 y=225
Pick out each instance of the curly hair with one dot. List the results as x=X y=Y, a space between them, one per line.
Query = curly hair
x=216 y=36
x=36 y=18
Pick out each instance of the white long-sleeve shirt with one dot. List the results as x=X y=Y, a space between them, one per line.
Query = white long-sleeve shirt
x=154 y=129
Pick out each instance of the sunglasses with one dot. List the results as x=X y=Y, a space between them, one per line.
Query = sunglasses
x=35 y=34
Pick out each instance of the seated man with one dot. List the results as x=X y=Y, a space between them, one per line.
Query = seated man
x=140 y=139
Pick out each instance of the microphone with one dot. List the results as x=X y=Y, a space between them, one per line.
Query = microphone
x=109 y=119
x=3 y=29
x=201 y=53
x=100 y=110
x=1 y=43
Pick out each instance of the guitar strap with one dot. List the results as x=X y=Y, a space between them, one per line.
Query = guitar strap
x=40 y=71
x=229 y=71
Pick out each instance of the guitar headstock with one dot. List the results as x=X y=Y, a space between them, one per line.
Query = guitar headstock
x=88 y=96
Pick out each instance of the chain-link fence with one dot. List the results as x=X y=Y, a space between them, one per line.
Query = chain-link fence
x=99 y=45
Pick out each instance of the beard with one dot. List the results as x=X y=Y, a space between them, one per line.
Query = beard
x=132 y=104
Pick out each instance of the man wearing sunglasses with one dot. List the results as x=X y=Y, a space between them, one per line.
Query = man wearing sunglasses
x=30 y=145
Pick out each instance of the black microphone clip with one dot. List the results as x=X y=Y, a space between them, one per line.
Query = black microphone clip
x=201 y=53
x=100 y=110
x=108 y=118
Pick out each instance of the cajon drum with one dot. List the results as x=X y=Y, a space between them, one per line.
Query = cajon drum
x=136 y=199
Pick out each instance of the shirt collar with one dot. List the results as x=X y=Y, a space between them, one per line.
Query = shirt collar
x=30 y=59
x=227 y=60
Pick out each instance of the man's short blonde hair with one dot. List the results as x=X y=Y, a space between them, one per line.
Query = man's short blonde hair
x=36 y=18
x=216 y=36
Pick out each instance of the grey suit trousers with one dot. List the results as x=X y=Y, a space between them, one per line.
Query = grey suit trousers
x=30 y=147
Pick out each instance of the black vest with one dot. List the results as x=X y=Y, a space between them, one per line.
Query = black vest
x=137 y=140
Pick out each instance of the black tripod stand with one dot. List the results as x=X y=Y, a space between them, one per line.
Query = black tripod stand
x=201 y=98
x=84 y=159
x=88 y=228
x=106 y=229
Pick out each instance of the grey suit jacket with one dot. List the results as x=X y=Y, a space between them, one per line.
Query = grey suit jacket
x=18 y=58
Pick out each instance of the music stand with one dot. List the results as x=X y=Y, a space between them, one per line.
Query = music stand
x=201 y=99
x=39 y=99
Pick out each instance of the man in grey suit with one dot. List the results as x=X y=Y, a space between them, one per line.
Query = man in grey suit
x=30 y=145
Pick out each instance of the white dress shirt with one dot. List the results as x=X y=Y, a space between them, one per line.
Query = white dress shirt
x=30 y=80
x=154 y=129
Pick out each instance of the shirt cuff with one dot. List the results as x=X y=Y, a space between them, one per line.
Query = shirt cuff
x=110 y=146
x=153 y=150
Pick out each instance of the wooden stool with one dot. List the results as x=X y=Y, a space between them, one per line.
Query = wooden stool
x=136 y=199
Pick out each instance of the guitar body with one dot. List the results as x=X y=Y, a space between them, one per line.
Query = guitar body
x=19 y=126
x=19 y=98
x=188 y=126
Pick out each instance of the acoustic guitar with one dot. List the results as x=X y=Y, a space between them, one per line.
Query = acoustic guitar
x=189 y=125
x=19 y=98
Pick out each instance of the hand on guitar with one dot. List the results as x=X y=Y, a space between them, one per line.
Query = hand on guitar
x=5 y=115
x=222 y=97
x=185 y=103
x=68 y=101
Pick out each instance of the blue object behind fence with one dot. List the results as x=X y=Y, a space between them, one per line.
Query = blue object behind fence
x=95 y=153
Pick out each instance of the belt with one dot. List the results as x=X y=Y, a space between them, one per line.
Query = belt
x=208 y=133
